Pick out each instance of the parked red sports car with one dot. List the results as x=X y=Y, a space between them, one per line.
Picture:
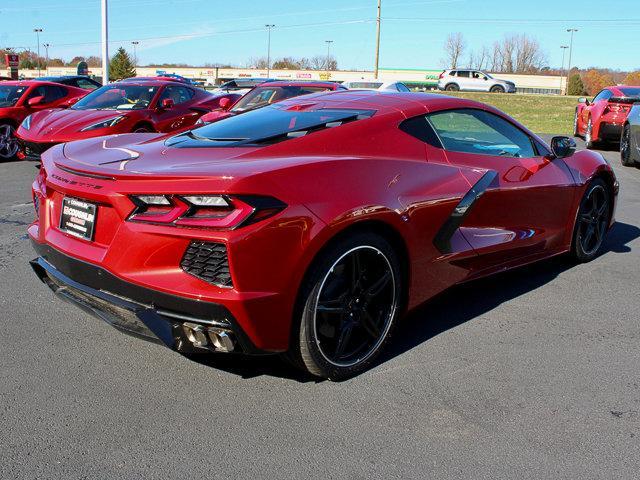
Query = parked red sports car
x=311 y=225
x=601 y=119
x=19 y=99
x=266 y=94
x=157 y=105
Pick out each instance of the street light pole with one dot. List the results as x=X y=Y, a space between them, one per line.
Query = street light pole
x=46 y=55
x=135 y=53
x=38 y=31
x=564 y=49
x=328 y=42
x=269 y=27
x=571 y=31
x=105 y=43
x=375 y=73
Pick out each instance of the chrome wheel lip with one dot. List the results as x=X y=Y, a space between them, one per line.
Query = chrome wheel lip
x=587 y=134
x=8 y=143
x=388 y=321
x=599 y=222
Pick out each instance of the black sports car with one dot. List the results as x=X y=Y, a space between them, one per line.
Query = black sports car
x=78 y=81
x=630 y=140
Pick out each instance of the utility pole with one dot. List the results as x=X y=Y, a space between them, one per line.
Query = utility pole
x=375 y=72
x=564 y=49
x=571 y=31
x=46 y=56
x=135 y=53
x=328 y=42
x=38 y=32
x=269 y=27
x=105 y=44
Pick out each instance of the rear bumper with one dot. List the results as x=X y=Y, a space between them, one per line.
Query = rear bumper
x=138 y=311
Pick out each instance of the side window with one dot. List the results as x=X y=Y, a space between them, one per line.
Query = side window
x=51 y=93
x=86 y=84
x=463 y=73
x=603 y=95
x=480 y=133
x=453 y=73
x=402 y=87
x=420 y=128
x=177 y=94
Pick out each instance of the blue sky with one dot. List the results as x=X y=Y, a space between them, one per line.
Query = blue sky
x=413 y=31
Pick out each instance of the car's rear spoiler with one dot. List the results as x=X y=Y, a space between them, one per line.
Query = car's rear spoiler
x=624 y=100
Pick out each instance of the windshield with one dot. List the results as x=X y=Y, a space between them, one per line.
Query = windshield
x=263 y=96
x=272 y=124
x=10 y=94
x=118 y=97
x=630 y=91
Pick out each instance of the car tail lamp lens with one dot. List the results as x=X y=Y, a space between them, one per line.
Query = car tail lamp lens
x=204 y=211
x=616 y=108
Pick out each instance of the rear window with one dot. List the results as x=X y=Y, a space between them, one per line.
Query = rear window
x=269 y=125
x=630 y=91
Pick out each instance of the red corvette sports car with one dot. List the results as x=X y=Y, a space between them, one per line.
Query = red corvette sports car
x=158 y=105
x=309 y=226
x=19 y=99
x=601 y=119
x=266 y=94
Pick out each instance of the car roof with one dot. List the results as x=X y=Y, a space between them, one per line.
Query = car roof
x=62 y=77
x=299 y=83
x=152 y=81
x=27 y=83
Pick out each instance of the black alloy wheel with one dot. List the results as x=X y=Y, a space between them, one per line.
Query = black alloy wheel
x=592 y=222
x=8 y=142
x=352 y=300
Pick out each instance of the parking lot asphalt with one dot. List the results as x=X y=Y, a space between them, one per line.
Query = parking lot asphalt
x=534 y=373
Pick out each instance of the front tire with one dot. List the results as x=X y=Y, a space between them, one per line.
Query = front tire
x=350 y=303
x=592 y=221
x=497 y=89
x=452 y=87
x=576 y=130
x=626 y=147
x=8 y=142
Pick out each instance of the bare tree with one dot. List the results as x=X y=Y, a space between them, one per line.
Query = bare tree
x=259 y=62
x=480 y=60
x=454 y=48
x=517 y=54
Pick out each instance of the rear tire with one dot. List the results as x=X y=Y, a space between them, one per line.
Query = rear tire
x=452 y=87
x=626 y=145
x=576 y=131
x=497 y=89
x=142 y=129
x=349 y=305
x=592 y=221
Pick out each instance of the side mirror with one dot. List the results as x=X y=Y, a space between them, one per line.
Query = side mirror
x=563 y=147
x=167 y=103
x=32 y=102
x=583 y=100
x=224 y=103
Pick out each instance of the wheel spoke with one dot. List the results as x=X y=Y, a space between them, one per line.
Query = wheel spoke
x=343 y=339
x=587 y=237
x=370 y=325
x=378 y=286
x=356 y=271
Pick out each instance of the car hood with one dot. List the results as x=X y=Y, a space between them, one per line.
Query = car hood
x=57 y=123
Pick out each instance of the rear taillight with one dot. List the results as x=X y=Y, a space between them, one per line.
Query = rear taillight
x=616 y=108
x=203 y=211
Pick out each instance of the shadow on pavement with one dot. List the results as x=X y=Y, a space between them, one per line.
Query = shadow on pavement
x=438 y=315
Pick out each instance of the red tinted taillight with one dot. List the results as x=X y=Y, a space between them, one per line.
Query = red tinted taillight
x=203 y=211
x=616 y=108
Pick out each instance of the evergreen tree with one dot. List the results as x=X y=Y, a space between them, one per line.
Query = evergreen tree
x=121 y=66
x=575 y=87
